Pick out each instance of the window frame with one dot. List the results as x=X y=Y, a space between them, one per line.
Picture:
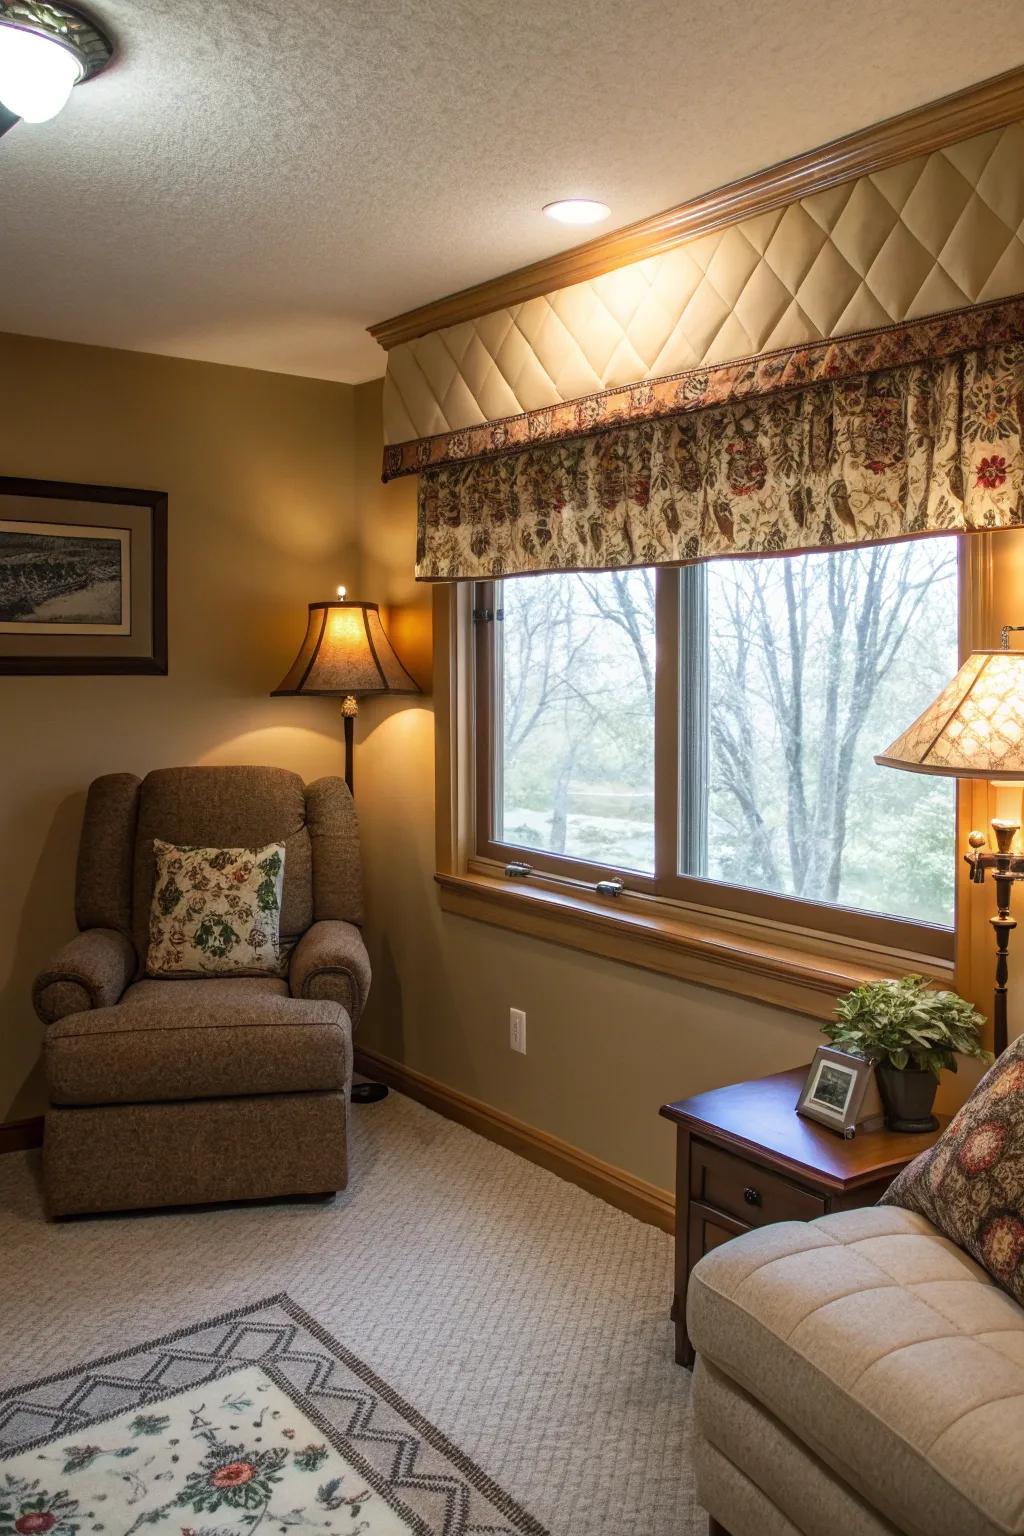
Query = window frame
x=667 y=884
x=753 y=960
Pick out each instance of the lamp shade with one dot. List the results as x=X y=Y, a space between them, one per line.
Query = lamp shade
x=974 y=729
x=345 y=651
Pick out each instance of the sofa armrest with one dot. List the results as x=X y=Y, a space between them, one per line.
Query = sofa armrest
x=330 y=964
x=91 y=971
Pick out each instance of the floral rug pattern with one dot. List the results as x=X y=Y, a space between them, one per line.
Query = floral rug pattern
x=257 y=1421
x=243 y=1453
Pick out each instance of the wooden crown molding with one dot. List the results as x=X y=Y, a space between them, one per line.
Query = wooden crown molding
x=991 y=104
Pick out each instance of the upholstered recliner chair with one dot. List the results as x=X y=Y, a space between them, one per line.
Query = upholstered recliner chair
x=181 y=1091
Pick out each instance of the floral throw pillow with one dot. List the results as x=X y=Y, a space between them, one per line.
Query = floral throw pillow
x=216 y=911
x=971 y=1183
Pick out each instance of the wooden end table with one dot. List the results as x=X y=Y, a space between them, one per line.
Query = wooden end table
x=745 y=1158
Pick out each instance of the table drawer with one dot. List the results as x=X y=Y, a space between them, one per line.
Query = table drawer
x=746 y=1192
x=710 y=1229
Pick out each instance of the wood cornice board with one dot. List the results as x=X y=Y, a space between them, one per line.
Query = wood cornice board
x=991 y=104
x=21 y=1135
x=627 y=1193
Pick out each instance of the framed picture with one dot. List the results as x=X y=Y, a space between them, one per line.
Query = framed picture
x=83 y=578
x=841 y=1092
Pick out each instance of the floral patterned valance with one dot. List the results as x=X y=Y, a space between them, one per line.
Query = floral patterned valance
x=931 y=446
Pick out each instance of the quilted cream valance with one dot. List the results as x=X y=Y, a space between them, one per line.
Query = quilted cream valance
x=927 y=237
x=932 y=446
x=845 y=368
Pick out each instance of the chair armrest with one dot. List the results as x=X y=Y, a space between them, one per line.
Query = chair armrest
x=330 y=964
x=91 y=971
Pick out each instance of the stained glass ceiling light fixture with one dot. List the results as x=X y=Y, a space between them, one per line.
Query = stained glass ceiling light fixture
x=45 y=51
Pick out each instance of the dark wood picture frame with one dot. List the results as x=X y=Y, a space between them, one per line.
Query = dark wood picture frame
x=155 y=662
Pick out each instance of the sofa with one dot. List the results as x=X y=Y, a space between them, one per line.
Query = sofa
x=187 y=1090
x=857 y=1375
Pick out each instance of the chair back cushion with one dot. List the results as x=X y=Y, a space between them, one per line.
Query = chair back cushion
x=334 y=838
x=225 y=808
x=103 y=881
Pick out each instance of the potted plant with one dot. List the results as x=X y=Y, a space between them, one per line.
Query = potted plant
x=911 y=1032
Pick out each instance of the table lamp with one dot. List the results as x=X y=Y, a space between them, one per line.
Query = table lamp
x=345 y=654
x=975 y=730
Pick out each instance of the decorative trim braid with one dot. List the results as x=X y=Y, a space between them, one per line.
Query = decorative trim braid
x=990 y=104
x=769 y=373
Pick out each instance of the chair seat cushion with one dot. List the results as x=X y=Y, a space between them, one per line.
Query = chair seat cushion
x=888 y=1351
x=176 y=1040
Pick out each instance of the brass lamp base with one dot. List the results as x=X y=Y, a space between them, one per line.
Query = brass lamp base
x=349 y=710
x=1007 y=868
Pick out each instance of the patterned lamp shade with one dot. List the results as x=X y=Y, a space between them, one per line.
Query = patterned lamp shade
x=974 y=729
x=345 y=651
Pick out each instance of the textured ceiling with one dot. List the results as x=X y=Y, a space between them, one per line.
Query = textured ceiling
x=256 y=183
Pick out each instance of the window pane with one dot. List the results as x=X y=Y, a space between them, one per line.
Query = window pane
x=813 y=664
x=575 y=726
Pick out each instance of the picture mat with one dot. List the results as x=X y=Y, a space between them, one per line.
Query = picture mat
x=26 y=641
x=79 y=533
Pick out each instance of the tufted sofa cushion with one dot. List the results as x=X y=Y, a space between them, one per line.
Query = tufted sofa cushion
x=887 y=1351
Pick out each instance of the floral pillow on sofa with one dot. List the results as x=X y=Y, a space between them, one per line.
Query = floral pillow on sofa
x=216 y=911
x=970 y=1184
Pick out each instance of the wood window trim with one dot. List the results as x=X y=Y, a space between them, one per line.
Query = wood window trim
x=736 y=953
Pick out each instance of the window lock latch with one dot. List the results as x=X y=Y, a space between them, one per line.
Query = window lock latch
x=609 y=887
x=487 y=615
x=518 y=871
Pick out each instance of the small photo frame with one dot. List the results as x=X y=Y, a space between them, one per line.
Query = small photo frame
x=841 y=1093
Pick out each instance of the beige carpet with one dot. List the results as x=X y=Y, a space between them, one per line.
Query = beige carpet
x=524 y=1318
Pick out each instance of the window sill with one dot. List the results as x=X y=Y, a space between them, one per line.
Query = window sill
x=782 y=967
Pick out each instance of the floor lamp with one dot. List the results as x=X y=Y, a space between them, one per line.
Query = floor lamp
x=975 y=730
x=346 y=654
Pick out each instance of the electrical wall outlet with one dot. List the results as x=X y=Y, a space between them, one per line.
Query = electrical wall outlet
x=517 y=1030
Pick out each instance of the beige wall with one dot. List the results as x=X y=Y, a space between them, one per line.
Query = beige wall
x=606 y=1043
x=259 y=472
x=275 y=496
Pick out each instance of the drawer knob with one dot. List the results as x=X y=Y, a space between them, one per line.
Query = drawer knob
x=752 y=1196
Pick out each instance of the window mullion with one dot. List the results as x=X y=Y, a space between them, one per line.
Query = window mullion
x=694 y=748
x=666 y=727
x=488 y=706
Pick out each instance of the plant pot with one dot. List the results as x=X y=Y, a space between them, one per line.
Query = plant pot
x=908 y=1097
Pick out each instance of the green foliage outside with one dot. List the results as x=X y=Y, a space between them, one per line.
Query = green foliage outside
x=811 y=664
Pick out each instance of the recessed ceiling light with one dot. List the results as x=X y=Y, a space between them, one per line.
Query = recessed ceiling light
x=45 y=50
x=577 y=210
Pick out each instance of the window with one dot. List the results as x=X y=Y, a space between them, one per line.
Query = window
x=707 y=735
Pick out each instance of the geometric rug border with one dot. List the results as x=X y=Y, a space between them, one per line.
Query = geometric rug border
x=506 y=1506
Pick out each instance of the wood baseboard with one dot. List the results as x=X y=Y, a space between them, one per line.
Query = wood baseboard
x=20 y=1135
x=635 y=1196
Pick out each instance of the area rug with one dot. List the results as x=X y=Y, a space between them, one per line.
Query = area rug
x=256 y=1420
